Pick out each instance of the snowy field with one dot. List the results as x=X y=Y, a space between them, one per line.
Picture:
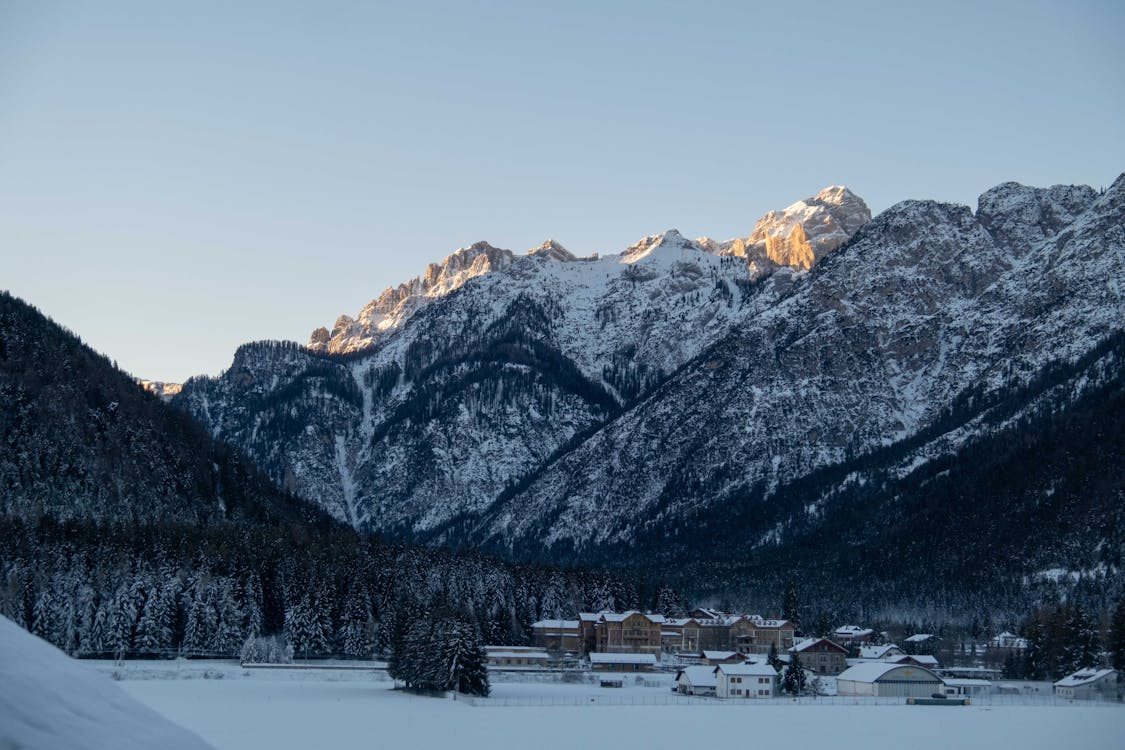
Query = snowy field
x=240 y=709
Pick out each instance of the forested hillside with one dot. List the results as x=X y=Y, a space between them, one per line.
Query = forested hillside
x=126 y=529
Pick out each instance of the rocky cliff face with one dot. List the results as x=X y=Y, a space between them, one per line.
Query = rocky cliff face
x=560 y=407
x=923 y=306
x=471 y=376
x=800 y=235
x=396 y=304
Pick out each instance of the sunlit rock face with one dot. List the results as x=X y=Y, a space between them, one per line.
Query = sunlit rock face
x=800 y=235
x=396 y=304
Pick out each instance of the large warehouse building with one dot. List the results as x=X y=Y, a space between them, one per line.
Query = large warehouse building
x=882 y=679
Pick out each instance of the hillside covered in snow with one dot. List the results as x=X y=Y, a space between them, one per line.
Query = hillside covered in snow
x=50 y=701
x=592 y=409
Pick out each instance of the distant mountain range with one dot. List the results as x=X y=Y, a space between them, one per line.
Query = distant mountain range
x=714 y=406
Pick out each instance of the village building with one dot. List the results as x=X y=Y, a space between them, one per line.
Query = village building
x=1008 y=640
x=967 y=687
x=918 y=660
x=629 y=632
x=699 y=680
x=880 y=653
x=922 y=643
x=821 y=655
x=881 y=679
x=744 y=681
x=847 y=635
x=558 y=636
x=714 y=658
x=751 y=634
x=516 y=656
x=587 y=632
x=1089 y=684
x=619 y=662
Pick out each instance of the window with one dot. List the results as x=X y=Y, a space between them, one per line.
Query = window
x=763 y=692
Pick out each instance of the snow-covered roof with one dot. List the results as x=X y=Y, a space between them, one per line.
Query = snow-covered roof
x=752 y=669
x=853 y=631
x=876 y=652
x=600 y=658
x=589 y=616
x=699 y=676
x=1085 y=677
x=556 y=624
x=965 y=682
x=622 y=616
x=720 y=654
x=920 y=637
x=806 y=643
x=924 y=659
x=518 y=655
x=870 y=671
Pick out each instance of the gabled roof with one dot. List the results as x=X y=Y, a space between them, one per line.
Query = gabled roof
x=623 y=616
x=924 y=659
x=870 y=671
x=753 y=669
x=920 y=637
x=588 y=616
x=876 y=652
x=600 y=658
x=1085 y=677
x=699 y=676
x=808 y=643
x=720 y=654
x=853 y=631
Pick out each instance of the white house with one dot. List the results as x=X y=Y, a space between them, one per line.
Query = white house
x=700 y=680
x=967 y=687
x=879 y=653
x=751 y=680
x=1089 y=684
x=1008 y=639
x=881 y=679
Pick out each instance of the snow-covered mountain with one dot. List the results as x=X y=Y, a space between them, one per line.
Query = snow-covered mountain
x=555 y=406
x=473 y=374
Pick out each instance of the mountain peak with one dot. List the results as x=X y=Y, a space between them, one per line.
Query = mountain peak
x=804 y=232
x=552 y=250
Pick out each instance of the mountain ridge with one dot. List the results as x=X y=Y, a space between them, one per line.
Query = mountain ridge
x=575 y=406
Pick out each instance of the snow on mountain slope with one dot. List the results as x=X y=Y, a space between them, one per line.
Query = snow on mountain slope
x=50 y=701
x=396 y=304
x=558 y=405
x=470 y=377
x=869 y=348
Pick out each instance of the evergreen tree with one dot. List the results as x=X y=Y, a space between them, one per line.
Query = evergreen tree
x=793 y=681
x=1081 y=645
x=356 y=626
x=773 y=658
x=1116 y=645
x=789 y=605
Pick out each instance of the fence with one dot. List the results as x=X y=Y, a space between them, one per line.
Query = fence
x=749 y=704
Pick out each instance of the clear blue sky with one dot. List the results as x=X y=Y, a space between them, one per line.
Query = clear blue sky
x=176 y=179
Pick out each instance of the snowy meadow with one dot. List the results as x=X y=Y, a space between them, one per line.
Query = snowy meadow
x=237 y=709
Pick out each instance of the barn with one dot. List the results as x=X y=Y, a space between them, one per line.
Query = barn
x=881 y=679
